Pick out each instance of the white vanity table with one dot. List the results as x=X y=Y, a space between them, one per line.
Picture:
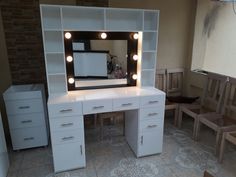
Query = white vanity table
x=142 y=103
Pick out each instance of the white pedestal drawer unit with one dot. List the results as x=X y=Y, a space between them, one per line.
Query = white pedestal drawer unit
x=27 y=115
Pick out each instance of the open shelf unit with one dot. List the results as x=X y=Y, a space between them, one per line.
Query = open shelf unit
x=56 y=19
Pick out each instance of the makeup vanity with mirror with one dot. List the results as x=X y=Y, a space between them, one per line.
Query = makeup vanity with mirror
x=101 y=60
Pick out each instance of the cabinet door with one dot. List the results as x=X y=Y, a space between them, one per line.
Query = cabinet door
x=150 y=143
x=68 y=156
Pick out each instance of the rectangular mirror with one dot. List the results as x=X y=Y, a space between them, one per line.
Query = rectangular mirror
x=100 y=63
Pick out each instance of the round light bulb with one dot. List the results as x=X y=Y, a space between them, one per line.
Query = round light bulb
x=103 y=35
x=69 y=58
x=135 y=57
x=67 y=35
x=135 y=36
x=135 y=76
x=71 y=80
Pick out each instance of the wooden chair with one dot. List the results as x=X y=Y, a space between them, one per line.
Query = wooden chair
x=229 y=136
x=112 y=116
x=175 y=78
x=210 y=102
x=224 y=121
x=161 y=82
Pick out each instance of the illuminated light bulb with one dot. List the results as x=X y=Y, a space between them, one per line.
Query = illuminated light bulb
x=69 y=58
x=135 y=57
x=135 y=36
x=135 y=76
x=71 y=80
x=67 y=35
x=103 y=35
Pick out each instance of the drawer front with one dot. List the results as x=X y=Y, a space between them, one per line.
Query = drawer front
x=152 y=113
x=152 y=101
x=151 y=125
x=28 y=138
x=26 y=120
x=97 y=106
x=65 y=109
x=73 y=154
x=67 y=123
x=70 y=136
x=24 y=106
x=125 y=104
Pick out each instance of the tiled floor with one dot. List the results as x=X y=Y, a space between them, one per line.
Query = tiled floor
x=181 y=157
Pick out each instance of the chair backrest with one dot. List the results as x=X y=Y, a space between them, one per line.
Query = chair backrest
x=161 y=79
x=229 y=107
x=214 y=91
x=175 y=79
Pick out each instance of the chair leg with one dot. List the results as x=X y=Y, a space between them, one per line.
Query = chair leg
x=180 y=117
x=95 y=121
x=198 y=129
x=222 y=148
x=124 y=124
x=218 y=137
x=101 y=129
x=195 y=124
x=176 y=116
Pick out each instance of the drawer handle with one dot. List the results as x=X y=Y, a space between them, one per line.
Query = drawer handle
x=67 y=125
x=127 y=104
x=68 y=138
x=29 y=139
x=152 y=114
x=151 y=126
x=153 y=102
x=24 y=107
x=66 y=110
x=98 y=107
x=26 y=121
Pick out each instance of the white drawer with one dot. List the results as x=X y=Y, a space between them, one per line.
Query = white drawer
x=70 y=136
x=65 y=109
x=26 y=120
x=125 y=104
x=24 y=106
x=68 y=156
x=151 y=113
x=152 y=101
x=97 y=106
x=151 y=125
x=67 y=123
x=28 y=138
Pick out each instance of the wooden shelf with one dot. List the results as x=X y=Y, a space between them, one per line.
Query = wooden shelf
x=149 y=60
x=151 y=20
x=51 y=17
x=55 y=63
x=149 y=41
x=53 y=41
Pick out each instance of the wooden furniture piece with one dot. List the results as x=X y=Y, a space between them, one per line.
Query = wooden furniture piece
x=223 y=121
x=175 y=78
x=227 y=136
x=161 y=82
x=4 y=161
x=27 y=115
x=206 y=174
x=210 y=101
x=112 y=116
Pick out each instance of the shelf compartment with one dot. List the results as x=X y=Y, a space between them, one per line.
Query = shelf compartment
x=124 y=20
x=149 y=41
x=148 y=78
x=57 y=83
x=51 y=18
x=151 y=20
x=53 y=41
x=88 y=19
x=148 y=60
x=55 y=63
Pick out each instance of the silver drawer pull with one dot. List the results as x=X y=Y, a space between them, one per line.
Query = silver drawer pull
x=66 y=110
x=152 y=114
x=29 y=139
x=68 y=138
x=26 y=121
x=24 y=107
x=98 y=107
x=151 y=126
x=153 y=102
x=127 y=104
x=67 y=125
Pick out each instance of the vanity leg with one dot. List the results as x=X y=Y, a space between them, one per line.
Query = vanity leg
x=101 y=129
x=95 y=120
x=123 y=123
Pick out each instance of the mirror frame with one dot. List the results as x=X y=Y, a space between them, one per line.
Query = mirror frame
x=85 y=37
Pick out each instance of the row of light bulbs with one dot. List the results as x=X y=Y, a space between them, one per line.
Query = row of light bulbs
x=68 y=35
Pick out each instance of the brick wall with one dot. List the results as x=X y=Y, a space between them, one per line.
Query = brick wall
x=22 y=26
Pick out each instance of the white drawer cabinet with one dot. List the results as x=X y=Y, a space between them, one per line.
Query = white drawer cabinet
x=65 y=109
x=27 y=115
x=122 y=104
x=97 y=106
x=151 y=101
